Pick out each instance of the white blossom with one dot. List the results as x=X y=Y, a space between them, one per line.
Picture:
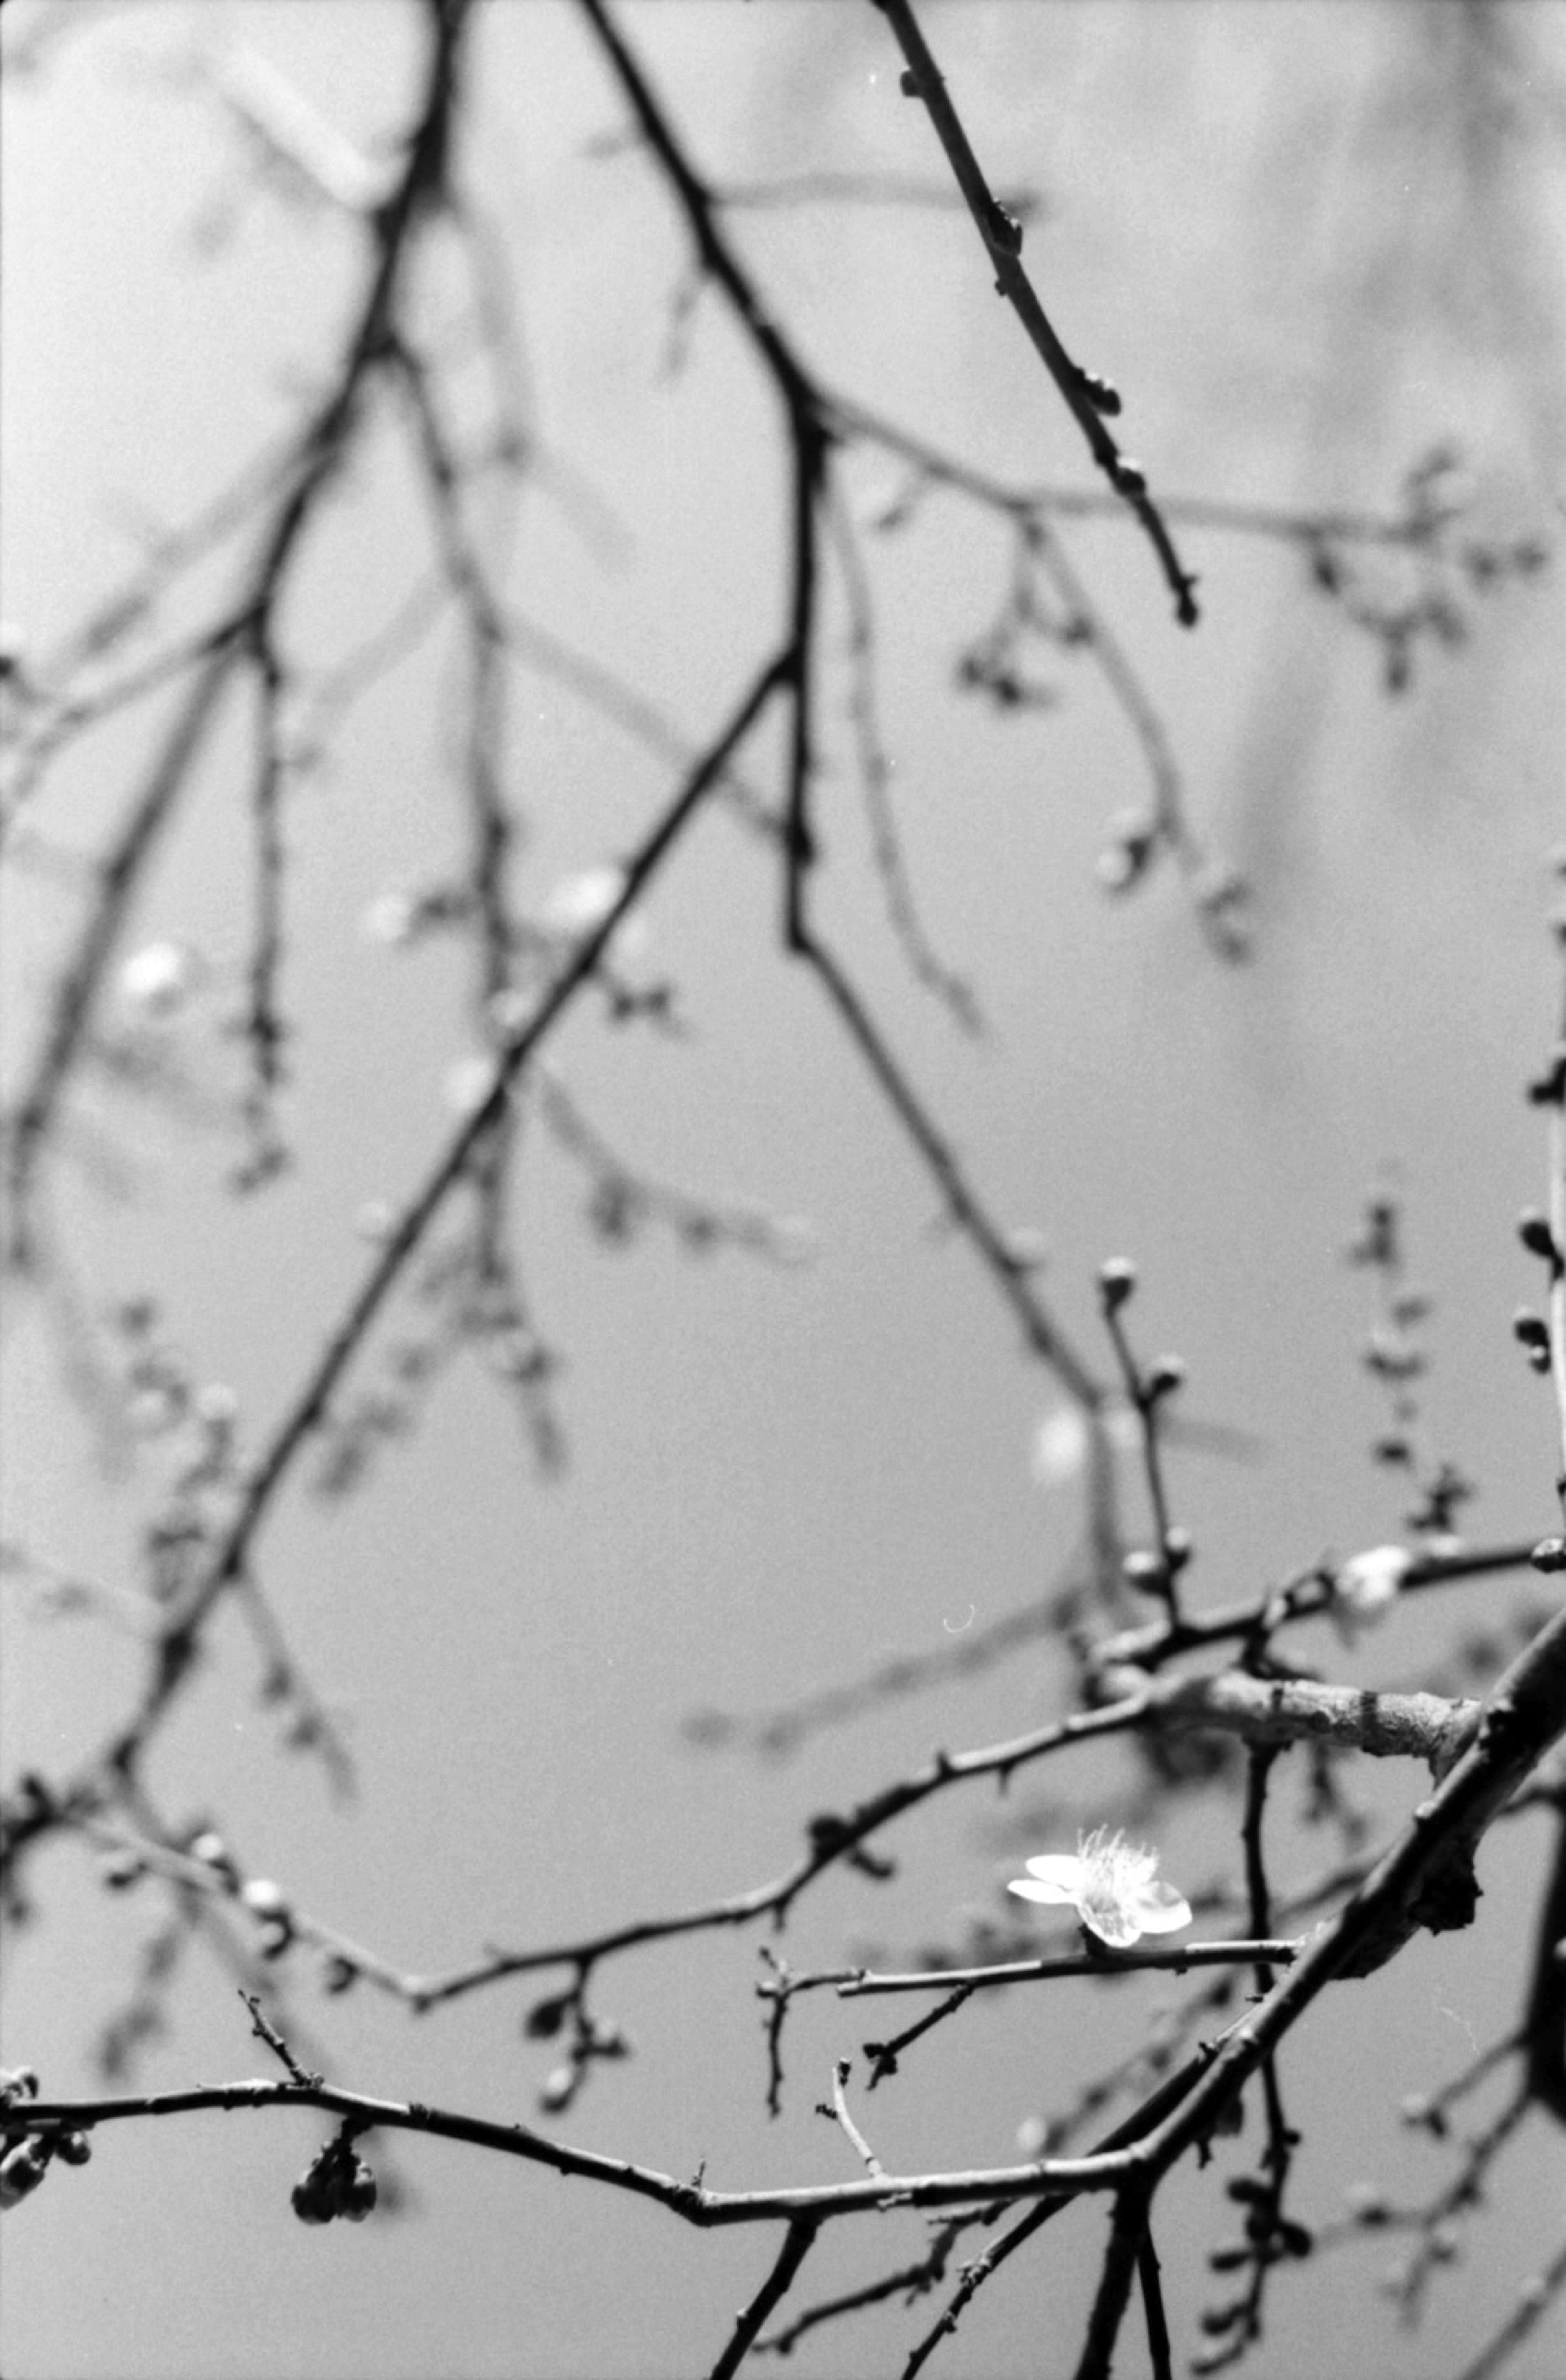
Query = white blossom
x=1112 y=1885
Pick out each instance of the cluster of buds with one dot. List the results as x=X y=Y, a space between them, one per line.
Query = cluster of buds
x=589 y=2041
x=1530 y=1331
x=1435 y=496
x=336 y=2182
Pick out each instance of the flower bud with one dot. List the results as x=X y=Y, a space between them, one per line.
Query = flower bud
x=1117 y=1281
x=1145 y=1571
x=1533 y=1230
x=559 y=2090
x=22 y=2170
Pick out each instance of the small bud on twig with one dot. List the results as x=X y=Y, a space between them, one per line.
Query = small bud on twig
x=1117 y=1281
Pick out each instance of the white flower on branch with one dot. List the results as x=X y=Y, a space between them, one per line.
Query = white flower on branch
x=1365 y=1588
x=1112 y=1885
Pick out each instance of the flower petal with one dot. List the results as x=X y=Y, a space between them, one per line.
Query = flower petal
x=1061 y=1868
x=1048 y=1892
x=1111 y=1922
x=1159 y=1909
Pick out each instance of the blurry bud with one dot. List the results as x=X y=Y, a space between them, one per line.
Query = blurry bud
x=216 y=1405
x=264 y=1898
x=309 y=2199
x=1549 y=1554
x=545 y=2018
x=358 y=2193
x=1060 y=1446
x=1146 y=1571
x=1167 y=1375
x=1133 y=839
x=120 y=1870
x=578 y=905
x=1533 y=1230
x=1364 y=1589
x=1230 y=2256
x=509 y=1011
x=22 y=2170
x=1117 y=1281
x=73 y=2148
x=1366 y=2203
x=1064 y=1438
x=17 y=2082
x=391 y=919
x=1130 y=477
x=559 y=2090
x=885 y=507
x=212 y=1851
x=1533 y=1337
x=1177 y=1548
x=157 y=981
x=468 y=1082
